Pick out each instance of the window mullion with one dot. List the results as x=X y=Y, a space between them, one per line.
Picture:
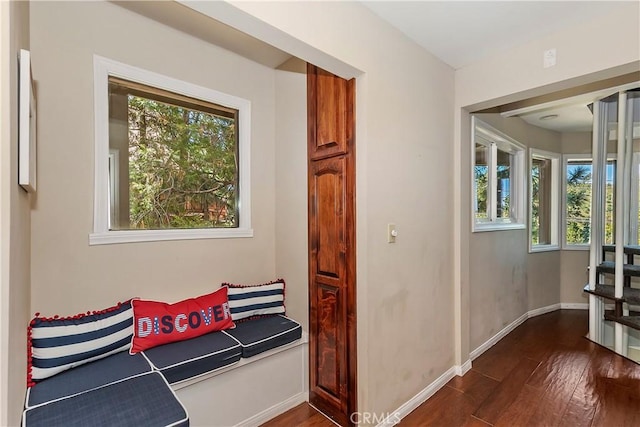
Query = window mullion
x=555 y=200
x=514 y=175
x=492 y=208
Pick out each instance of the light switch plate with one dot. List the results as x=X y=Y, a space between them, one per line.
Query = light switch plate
x=391 y=233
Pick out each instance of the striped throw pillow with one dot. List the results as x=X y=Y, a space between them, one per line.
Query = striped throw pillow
x=256 y=300
x=57 y=344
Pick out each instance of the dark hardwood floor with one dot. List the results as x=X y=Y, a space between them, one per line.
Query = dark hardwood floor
x=544 y=373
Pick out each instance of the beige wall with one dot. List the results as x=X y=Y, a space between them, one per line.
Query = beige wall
x=15 y=221
x=576 y=142
x=574 y=276
x=404 y=126
x=407 y=285
x=582 y=49
x=68 y=275
x=506 y=280
x=498 y=287
x=545 y=275
x=291 y=191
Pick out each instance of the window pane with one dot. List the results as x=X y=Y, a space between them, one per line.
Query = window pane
x=481 y=182
x=503 y=199
x=541 y=201
x=578 y=201
x=177 y=164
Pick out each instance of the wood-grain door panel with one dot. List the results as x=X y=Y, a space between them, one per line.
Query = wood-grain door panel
x=327 y=220
x=332 y=296
x=328 y=354
x=329 y=112
x=327 y=268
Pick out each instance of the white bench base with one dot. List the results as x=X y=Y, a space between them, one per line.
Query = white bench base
x=250 y=392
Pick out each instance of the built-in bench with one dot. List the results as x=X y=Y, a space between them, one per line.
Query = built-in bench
x=236 y=376
x=251 y=391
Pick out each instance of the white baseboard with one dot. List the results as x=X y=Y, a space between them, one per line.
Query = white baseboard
x=574 y=306
x=543 y=310
x=274 y=411
x=497 y=337
x=463 y=369
x=417 y=400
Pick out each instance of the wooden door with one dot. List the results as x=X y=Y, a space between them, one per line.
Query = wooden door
x=332 y=281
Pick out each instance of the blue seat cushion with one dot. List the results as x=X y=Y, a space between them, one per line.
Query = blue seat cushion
x=145 y=400
x=86 y=377
x=183 y=360
x=264 y=333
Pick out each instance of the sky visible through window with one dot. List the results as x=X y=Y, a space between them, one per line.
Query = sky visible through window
x=572 y=168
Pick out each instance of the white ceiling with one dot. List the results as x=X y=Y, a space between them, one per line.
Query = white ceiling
x=463 y=32
x=570 y=118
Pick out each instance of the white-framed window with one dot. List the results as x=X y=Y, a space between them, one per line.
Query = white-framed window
x=544 y=200
x=576 y=204
x=498 y=179
x=172 y=158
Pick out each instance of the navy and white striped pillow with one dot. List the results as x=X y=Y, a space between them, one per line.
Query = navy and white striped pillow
x=60 y=344
x=259 y=300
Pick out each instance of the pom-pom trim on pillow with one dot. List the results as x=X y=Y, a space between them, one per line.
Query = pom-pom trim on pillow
x=250 y=302
x=74 y=340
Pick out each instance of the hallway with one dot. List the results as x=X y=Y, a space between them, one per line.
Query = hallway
x=544 y=373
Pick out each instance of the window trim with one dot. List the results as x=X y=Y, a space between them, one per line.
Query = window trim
x=102 y=69
x=114 y=184
x=555 y=199
x=512 y=146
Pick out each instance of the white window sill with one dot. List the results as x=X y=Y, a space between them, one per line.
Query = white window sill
x=544 y=248
x=576 y=248
x=489 y=226
x=135 y=236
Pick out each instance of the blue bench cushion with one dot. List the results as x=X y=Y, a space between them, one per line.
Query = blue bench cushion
x=86 y=377
x=182 y=360
x=142 y=401
x=264 y=333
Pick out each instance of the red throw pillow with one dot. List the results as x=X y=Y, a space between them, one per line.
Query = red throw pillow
x=157 y=323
